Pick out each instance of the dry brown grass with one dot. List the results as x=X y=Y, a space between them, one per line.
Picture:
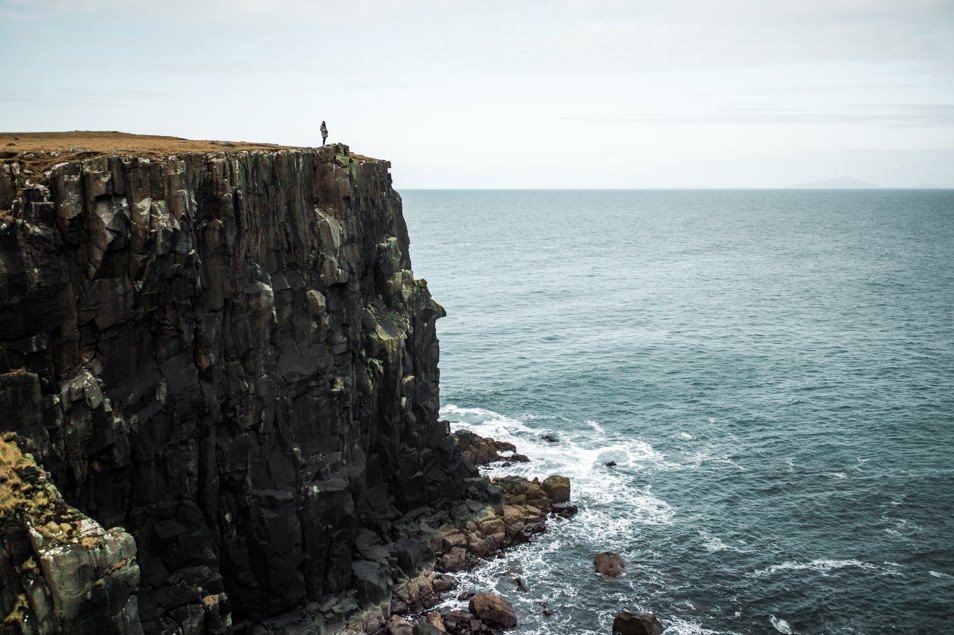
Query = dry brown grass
x=49 y=148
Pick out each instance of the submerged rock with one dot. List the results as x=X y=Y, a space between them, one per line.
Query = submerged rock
x=609 y=564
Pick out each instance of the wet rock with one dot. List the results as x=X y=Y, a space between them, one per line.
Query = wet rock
x=557 y=488
x=482 y=450
x=610 y=464
x=566 y=510
x=426 y=628
x=493 y=609
x=399 y=626
x=520 y=584
x=640 y=624
x=434 y=619
x=609 y=564
x=550 y=438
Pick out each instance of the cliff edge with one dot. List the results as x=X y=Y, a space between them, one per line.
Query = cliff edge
x=223 y=352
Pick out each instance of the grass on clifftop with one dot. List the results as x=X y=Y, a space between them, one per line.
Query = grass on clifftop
x=39 y=151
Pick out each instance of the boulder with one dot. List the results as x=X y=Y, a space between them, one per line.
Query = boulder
x=399 y=626
x=426 y=628
x=639 y=624
x=493 y=609
x=557 y=488
x=477 y=449
x=609 y=564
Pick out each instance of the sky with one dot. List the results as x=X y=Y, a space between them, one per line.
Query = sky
x=514 y=94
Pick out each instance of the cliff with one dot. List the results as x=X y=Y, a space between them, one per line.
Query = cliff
x=223 y=352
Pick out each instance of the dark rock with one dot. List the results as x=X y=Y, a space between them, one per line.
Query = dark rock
x=519 y=458
x=609 y=564
x=567 y=510
x=550 y=438
x=371 y=581
x=610 y=464
x=424 y=628
x=458 y=622
x=228 y=355
x=641 y=624
x=494 y=609
x=520 y=584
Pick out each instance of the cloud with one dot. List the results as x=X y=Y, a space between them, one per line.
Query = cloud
x=895 y=115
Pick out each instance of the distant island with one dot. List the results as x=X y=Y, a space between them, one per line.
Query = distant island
x=842 y=183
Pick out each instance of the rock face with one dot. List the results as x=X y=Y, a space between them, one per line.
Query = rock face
x=228 y=356
x=59 y=570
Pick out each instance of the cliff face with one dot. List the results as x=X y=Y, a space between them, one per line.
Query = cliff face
x=227 y=356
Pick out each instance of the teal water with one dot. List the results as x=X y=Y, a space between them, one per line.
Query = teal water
x=771 y=371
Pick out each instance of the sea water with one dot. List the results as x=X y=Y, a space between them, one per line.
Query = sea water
x=772 y=373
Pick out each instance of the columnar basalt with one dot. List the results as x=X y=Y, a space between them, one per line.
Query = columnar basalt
x=227 y=355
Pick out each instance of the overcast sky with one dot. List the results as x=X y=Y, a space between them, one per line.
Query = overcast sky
x=566 y=93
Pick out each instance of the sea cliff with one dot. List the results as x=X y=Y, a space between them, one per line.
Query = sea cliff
x=226 y=374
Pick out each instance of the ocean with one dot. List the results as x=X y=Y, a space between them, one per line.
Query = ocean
x=772 y=373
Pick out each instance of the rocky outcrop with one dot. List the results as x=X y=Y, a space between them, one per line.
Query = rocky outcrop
x=609 y=564
x=60 y=571
x=636 y=624
x=227 y=355
x=483 y=450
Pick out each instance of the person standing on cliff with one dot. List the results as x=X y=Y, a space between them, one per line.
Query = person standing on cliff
x=324 y=132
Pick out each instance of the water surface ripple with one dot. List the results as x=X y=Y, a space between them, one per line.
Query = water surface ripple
x=771 y=371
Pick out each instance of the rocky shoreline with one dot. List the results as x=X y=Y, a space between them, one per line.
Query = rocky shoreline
x=497 y=514
x=219 y=395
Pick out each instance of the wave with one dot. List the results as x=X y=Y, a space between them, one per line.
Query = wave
x=600 y=468
x=825 y=566
x=780 y=625
x=595 y=426
x=714 y=544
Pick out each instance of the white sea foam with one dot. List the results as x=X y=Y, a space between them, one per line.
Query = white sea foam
x=825 y=566
x=938 y=574
x=714 y=544
x=685 y=436
x=678 y=626
x=610 y=503
x=596 y=427
x=780 y=625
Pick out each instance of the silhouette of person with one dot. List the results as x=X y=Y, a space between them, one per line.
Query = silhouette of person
x=324 y=132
